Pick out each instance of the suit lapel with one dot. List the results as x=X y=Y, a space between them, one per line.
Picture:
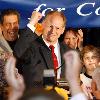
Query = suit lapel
x=62 y=51
x=46 y=54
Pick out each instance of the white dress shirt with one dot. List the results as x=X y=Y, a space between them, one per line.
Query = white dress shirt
x=57 y=53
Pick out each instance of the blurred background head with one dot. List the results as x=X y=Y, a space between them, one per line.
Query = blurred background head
x=70 y=38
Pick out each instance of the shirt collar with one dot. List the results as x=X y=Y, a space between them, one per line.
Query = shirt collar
x=55 y=45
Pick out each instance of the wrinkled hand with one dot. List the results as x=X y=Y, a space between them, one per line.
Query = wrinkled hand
x=35 y=17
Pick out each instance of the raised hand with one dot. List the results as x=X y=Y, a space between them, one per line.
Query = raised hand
x=72 y=72
x=14 y=79
x=73 y=64
x=80 y=39
x=35 y=17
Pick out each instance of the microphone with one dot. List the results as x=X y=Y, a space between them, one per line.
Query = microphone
x=61 y=65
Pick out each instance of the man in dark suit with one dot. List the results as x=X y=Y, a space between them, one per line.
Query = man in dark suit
x=33 y=50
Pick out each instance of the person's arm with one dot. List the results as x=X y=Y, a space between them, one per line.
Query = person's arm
x=95 y=91
x=14 y=79
x=73 y=67
x=96 y=83
x=28 y=35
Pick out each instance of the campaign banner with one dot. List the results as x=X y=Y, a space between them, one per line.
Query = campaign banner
x=79 y=13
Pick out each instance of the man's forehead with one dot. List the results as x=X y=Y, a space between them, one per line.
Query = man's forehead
x=53 y=15
x=10 y=18
x=55 y=19
x=9 y=15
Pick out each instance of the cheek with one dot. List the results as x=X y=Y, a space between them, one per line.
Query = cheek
x=5 y=28
x=5 y=33
x=46 y=30
x=76 y=41
x=85 y=62
x=66 y=41
x=59 y=33
x=16 y=27
x=96 y=62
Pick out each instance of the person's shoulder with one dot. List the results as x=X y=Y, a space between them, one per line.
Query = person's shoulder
x=64 y=46
x=24 y=30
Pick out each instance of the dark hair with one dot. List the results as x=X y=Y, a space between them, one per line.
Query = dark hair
x=90 y=48
x=73 y=30
x=8 y=12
